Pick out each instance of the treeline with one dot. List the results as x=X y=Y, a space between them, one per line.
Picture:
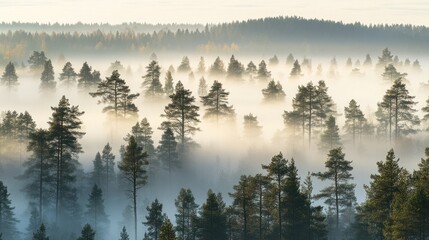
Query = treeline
x=266 y=35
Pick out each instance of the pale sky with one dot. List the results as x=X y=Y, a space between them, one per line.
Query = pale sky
x=212 y=11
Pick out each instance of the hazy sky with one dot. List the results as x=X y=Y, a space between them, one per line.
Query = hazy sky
x=211 y=11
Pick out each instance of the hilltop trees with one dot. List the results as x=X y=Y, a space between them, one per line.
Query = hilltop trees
x=116 y=94
x=273 y=92
x=182 y=115
x=68 y=75
x=7 y=217
x=151 y=80
x=216 y=103
x=9 y=77
x=133 y=169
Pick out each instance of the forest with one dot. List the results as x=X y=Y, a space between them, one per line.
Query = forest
x=206 y=147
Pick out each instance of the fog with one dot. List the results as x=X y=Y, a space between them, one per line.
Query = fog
x=224 y=153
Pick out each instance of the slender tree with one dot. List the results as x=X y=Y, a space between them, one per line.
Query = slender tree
x=154 y=219
x=184 y=66
x=218 y=68
x=213 y=222
x=108 y=161
x=9 y=77
x=354 y=119
x=252 y=129
x=124 y=234
x=87 y=233
x=216 y=102
x=330 y=138
x=296 y=70
x=47 y=78
x=263 y=73
x=167 y=231
x=151 y=83
x=7 y=217
x=201 y=66
x=133 y=169
x=167 y=150
x=186 y=214
x=168 y=85
x=202 y=87
x=68 y=75
x=95 y=210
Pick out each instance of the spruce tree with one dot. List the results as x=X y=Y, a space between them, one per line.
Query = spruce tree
x=263 y=73
x=142 y=133
x=97 y=171
x=273 y=61
x=154 y=219
x=251 y=70
x=340 y=191
x=385 y=59
x=47 y=78
x=116 y=94
x=124 y=234
x=95 y=213
x=330 y=138
x=37 y=60
x=186 y=214
x=277 y=173
x=133 y=170
x=9 y=77
x=7 y=217
x=184 y=66
x=151 y=83
x=201 y=66
x=355 y=119
x=88 y=79
x=325 y=106
x=235 y=69
x=390 y=74
x=64 y=128
x=290 y=59
x=40 y=234
x=87 y=233
x=296 y=70
x=213 y=222
x=182 y=114
x=168 y=85
x=108 y=161
x=202 y=87
x=167 y=231
x=167 y=150
x=68 y=75
x=218 y=68
x=216 y=103
x=273 y=92
x=252 y=129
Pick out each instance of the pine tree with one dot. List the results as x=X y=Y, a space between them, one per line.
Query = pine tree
x=37 y=60
x=124 y=234
x=154 y=219
x=416 y=66
x=330 y=138
x=95 y=210
x=68 y=75
x=251 y=69
x=213 y=222
x=151 y=83
x=290 y=59
x=385 y=59
x=338 y=193
x=274 y=61
x=64 y=128
x=273 y=92
x=142 y=133
x=87 y=233
x=202 y=87
x=108 y=161
x=296 y=70
x=133 y=170
x=355 y=119
x=34 y=221
x=218 y=68
x=168 y=85
x=184 y=66
x=263 y=73
x=252 y=129
x=9 y=77
x=167 y=150
x=40 y=234
x=390 y=73
x=116 y=65
x=97 y=171
x=7 y=217
x=260 y=184
x=182 y=114
x=39 y=169
x=47 y=78
x=87 y=78
x=277 y=172
x=201 y=66
x=384 y=185
x=116 y=94
x=186 y=214
x=167 y=231
x=325 y=106
x=235 y=69
x=216 y=103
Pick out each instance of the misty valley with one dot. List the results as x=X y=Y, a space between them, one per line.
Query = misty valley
x=110 y=133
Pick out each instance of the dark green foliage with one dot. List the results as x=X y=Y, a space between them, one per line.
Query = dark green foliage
x=142 y=133
x=116 y=94
x=273 y=92
x=87 y=233
x=263 y=73
x=124 y=234
x=235 y=69
x=97 y=171
x=64 y=127
x=40 y=234
x=340 y=194
x=88 y=79
x=151 y=83
x=184 y=66
x=182 y=114
x=167 y=231
x=216 y=103
x=95 y=213
x=252 y=129
x=7 y=217
x=213 y=221
x=218 y=68
x=202 y=87
x=108 y=161
x=154 y=219
x=296 y=70
x=133 y=170
x=9 y=77
x=47 y=78
x=37 y=60
x=186 y=215
x=168 y=85
x=68 y=75
x=166 y=151
x=330 y=138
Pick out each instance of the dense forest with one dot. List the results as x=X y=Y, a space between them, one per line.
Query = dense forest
x=268 y=35
x=217 y=149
